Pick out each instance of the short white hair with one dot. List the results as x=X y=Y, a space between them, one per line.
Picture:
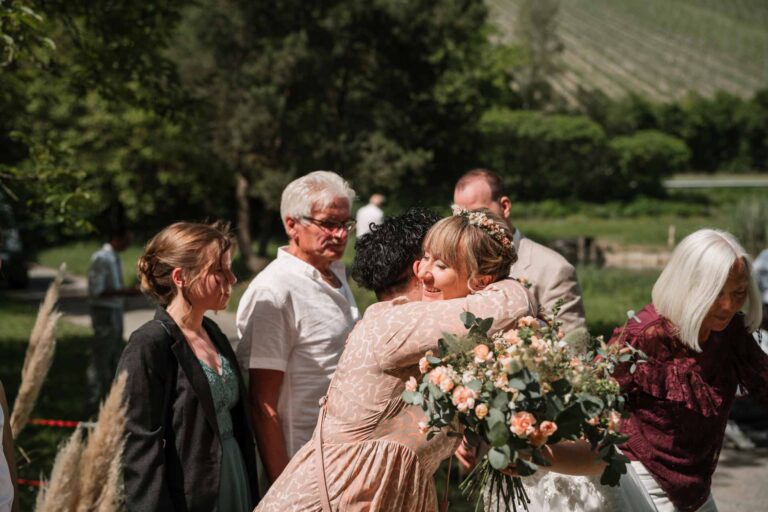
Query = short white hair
x=313 y=191
x=693 y=278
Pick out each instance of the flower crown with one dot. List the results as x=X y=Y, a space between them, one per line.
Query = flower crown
x=481 y=220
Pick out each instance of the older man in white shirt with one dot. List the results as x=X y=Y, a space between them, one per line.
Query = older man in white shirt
x=295 y=316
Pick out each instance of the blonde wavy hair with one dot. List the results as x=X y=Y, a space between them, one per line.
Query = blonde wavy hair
x=470 y=249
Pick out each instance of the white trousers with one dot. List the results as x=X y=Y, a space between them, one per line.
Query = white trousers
x=660 y=499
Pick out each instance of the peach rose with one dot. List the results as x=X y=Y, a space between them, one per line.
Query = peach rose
x=527 y=321
x=423 y=427
x=411 y=385
x=594 y=421
x=548 y=427
x=423 y=365
x=521 y=424
x=614 y=421
x=463 y=398
x=512 y=337
x=482 y=353
x=443 y=378
x=481 y=411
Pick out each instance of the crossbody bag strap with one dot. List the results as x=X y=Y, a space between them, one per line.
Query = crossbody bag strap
x=320 y=476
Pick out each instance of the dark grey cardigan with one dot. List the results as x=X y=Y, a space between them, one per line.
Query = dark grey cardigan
x=172 y=457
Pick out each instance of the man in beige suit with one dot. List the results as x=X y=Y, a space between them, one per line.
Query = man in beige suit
x=550 y=275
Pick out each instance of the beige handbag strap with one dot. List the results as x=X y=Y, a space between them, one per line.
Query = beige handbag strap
x=322 y=483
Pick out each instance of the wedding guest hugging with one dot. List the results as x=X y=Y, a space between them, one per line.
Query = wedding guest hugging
x=550 y=275
x=294 y=317
x=385 y=257
x=696 y=334
x=189 y=445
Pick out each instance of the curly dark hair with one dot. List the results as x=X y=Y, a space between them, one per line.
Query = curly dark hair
x=385 y=255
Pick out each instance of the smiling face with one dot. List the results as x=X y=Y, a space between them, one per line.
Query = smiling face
x=214 y=287
x=313 y=241
x=440 y=281
x=729 y=301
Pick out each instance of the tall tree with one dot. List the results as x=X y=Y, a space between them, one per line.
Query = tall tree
x=383 y=91
x=536 y=31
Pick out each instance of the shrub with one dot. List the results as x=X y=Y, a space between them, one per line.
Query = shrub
x=643 y=159
x=749 y=223
x=544 y=156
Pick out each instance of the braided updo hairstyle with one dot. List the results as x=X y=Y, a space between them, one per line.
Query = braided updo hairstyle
x=193 y=247
x=468 y=248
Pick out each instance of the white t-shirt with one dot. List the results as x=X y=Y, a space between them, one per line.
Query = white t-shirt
x=366 y=215
x=289 y=319
x=6 y=486
x=105 y=273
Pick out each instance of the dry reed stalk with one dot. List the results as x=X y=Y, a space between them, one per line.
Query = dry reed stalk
x=112 y=496
x=105 y=444
x=33 y=376
x=46 y=308
x=60 y=495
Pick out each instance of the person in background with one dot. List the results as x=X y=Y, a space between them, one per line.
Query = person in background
x=551 y=277
x=294 y=317
x=106 y=292
x=189 y=445
x=9 y=490
x=696 y=334
x=761 y=274
x=384 y=258
x=370 y=215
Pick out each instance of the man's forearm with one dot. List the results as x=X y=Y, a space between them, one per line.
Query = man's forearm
x=269 y=437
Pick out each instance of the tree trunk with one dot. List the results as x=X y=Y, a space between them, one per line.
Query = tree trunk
x=252 y=262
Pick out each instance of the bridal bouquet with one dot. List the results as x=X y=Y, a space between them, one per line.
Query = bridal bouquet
x=517 y=391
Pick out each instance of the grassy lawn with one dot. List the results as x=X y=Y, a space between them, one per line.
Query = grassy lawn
x=640 y=231
x=77 y=256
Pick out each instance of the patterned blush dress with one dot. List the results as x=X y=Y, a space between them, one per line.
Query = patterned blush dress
x=234 y=494
x=374 y=456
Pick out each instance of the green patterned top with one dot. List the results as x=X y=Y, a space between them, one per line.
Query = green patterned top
x=225 y=393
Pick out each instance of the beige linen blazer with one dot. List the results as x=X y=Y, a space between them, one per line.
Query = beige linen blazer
x=551 y=278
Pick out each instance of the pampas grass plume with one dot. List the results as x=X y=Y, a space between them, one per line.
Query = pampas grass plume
x=60 y=495
x=102 y=454
x=33 y=377
x=46 y=308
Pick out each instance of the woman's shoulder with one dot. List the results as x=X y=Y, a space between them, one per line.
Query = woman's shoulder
x=150 y=340
x=648 y=331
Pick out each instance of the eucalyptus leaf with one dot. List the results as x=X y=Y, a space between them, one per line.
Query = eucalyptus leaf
x=498 y=459
x=498 y=435
x=467 y=318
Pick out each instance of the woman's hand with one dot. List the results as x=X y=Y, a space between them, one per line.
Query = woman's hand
x=466 y=454
x=574 y=458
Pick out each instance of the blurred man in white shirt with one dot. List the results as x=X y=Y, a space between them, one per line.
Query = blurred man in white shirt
x=370 y=214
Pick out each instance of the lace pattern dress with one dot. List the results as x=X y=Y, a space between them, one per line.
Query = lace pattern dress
x=375 y=457
x=234 y=494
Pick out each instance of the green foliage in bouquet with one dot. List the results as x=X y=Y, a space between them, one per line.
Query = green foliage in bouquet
x=519 y=390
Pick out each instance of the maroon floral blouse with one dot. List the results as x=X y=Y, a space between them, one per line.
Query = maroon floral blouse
x=679 y=400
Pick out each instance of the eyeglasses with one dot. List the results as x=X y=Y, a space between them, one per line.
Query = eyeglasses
x=330 y=226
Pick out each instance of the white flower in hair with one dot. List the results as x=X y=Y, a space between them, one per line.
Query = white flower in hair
x=481 y=220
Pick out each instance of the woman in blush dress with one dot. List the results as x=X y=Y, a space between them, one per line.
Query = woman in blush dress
x=368 y=451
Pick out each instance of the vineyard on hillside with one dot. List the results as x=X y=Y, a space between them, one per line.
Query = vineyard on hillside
x=660 y=49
